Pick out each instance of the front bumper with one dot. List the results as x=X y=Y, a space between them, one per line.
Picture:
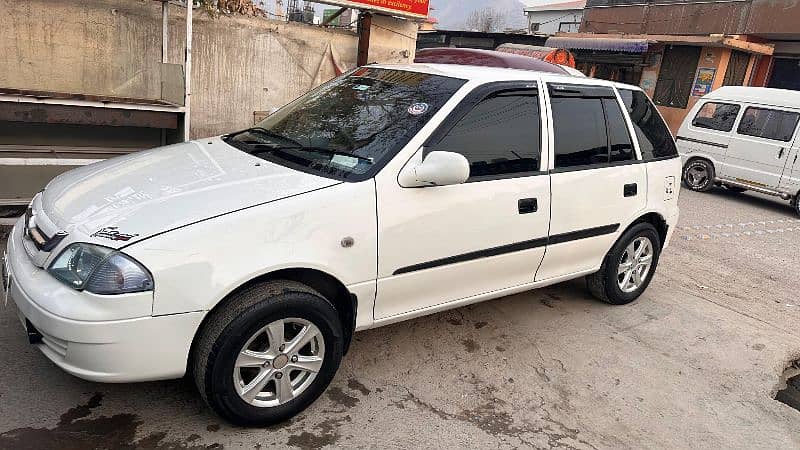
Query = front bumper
x=126 y=350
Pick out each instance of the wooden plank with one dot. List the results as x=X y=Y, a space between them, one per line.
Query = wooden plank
x=40 y=94
x=86 y=115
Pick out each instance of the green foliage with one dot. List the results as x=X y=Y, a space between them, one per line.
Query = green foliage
x=230 y=7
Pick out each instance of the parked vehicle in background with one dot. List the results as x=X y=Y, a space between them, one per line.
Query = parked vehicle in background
x=743 y=138
x=249 y=260
x=491 y=58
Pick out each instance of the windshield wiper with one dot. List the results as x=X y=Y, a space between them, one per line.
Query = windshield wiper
x=265 y=132
x=327 y=151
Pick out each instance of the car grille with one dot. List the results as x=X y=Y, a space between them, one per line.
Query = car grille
x=36 y=241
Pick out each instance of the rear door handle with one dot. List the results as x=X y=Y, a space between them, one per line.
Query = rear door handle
x=527 y=205
x=780 y=152
x=630 y=190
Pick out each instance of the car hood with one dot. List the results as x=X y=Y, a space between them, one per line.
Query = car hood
x=123 y=200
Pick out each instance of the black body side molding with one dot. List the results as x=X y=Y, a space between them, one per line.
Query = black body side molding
x=511 y=248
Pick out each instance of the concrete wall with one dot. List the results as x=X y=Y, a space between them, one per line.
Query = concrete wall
x=240 y=64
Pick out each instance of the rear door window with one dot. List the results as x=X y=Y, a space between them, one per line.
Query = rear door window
x=589 y=127
x=716 y=116
x=768 y=123
x=655 y=139
x=580 y=132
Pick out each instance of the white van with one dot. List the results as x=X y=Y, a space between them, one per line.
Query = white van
x=743 y=138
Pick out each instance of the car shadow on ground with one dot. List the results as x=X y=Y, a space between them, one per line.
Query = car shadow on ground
x=762 y=201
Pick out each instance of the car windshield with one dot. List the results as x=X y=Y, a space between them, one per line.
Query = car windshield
x=350 y=127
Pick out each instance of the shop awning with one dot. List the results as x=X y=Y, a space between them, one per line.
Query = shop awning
x=604 y=44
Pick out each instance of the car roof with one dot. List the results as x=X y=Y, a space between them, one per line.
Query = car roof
x=762 y=95
x=482 y=74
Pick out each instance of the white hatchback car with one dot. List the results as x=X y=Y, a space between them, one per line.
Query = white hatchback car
x=249 y=260
x=744 y=138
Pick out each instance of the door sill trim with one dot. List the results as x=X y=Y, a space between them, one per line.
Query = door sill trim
x=753 y=187
x=504 y=292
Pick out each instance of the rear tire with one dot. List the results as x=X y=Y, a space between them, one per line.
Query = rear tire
x=698 y=175
x=628 y=267
x=257 y=339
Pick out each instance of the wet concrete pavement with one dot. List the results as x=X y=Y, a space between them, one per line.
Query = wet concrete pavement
x=694 y=363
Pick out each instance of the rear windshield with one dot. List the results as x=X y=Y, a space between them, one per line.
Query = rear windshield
x=352 y=126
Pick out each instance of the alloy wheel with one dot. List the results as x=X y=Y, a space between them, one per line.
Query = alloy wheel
x=279 y=362
x=634 y=265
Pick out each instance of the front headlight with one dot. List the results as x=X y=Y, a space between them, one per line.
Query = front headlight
x=100 y=270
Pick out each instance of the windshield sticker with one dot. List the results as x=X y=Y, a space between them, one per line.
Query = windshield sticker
x=418 y=109
x=345 y=161
x=361 y=87
x=113 y=234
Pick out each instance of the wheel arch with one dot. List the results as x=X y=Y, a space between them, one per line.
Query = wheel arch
x=654 y=218
x=345 y=302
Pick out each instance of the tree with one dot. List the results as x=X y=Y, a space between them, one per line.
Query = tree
x=487 y=20
x=244 y=7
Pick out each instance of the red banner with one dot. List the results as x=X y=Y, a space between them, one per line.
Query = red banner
x=404 y=8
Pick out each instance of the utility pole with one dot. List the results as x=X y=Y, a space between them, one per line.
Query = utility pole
x=164 y=31
x=187 y=97
x=364 y=28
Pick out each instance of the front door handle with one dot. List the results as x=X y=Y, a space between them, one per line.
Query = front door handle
x=527 y=205
x=630 y=190
x=780 y=152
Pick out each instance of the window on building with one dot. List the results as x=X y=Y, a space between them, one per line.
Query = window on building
x=589 y=127
x=501 y=136
x=569 y=27
x=737 y=68
x=768 y=123
x=655 y=140
x=716 y=116
x=674 y=84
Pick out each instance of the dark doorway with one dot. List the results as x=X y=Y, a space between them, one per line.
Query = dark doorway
x=737 y=67
x=785 y=74
x=678 y=68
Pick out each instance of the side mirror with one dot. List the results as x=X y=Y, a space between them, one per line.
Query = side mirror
x=438 y=169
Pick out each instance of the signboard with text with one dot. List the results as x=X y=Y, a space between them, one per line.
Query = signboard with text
x=417 y=9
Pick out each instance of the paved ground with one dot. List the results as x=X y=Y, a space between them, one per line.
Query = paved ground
x=694 y=363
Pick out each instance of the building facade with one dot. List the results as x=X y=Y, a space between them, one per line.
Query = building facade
x=679 y=51
x=763 y=21
x=551 y=18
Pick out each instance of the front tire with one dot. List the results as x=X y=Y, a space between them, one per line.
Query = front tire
x=628 y=267
x=267 y=353
x=698 y=175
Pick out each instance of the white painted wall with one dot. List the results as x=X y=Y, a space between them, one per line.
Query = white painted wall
x=550 y=20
